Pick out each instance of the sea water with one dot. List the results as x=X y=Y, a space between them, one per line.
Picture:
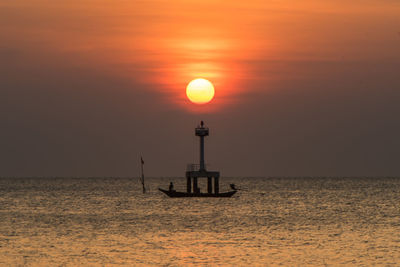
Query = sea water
x=271 y=221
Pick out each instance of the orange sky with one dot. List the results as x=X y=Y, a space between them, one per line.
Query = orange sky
x=168 y=43
x=108 y=78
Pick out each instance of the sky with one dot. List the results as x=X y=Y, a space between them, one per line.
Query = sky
x=302 y=88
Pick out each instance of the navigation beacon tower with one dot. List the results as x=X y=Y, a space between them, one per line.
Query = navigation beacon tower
x=192 y=173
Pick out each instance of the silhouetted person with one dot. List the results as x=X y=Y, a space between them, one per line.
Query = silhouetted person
x=171 y=186
x=202 y=124
x=233 y=187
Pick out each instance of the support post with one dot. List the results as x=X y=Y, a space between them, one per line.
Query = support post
x=188 y=183
x=209 y=185
x=216 y=184
x=195 y=186
x=202 y=167
x=201 y=132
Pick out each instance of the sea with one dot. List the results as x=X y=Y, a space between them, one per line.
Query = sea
x=303 y=221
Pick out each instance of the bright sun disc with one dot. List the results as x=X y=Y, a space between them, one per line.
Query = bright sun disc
x=200 y=91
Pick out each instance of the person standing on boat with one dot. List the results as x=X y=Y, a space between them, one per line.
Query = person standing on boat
x=233 y=186
x=171 y=186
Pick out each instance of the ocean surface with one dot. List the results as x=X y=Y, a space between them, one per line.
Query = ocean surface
x=271 y=221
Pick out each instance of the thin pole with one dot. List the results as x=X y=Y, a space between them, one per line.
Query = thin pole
x=142 y=180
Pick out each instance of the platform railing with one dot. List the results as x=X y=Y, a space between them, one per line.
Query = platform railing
x=190 y=167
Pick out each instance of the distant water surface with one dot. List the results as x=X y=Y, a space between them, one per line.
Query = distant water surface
x=272 y=221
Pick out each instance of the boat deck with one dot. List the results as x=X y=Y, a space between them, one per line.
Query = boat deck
x=174 y=193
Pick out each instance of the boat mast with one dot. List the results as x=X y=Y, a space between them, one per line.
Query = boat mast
x=142 y=178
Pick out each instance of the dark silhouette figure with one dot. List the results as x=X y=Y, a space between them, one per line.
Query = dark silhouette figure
x=233 y=187
x=202 y=124
x=171 y=186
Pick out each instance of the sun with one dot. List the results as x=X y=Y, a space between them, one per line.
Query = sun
x=200 y=91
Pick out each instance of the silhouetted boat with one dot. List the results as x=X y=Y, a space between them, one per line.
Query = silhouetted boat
x=174 y=193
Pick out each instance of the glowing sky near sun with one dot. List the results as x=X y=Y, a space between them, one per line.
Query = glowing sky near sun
x=239 y=46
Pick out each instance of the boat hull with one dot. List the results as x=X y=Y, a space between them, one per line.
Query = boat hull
x=185 y=194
